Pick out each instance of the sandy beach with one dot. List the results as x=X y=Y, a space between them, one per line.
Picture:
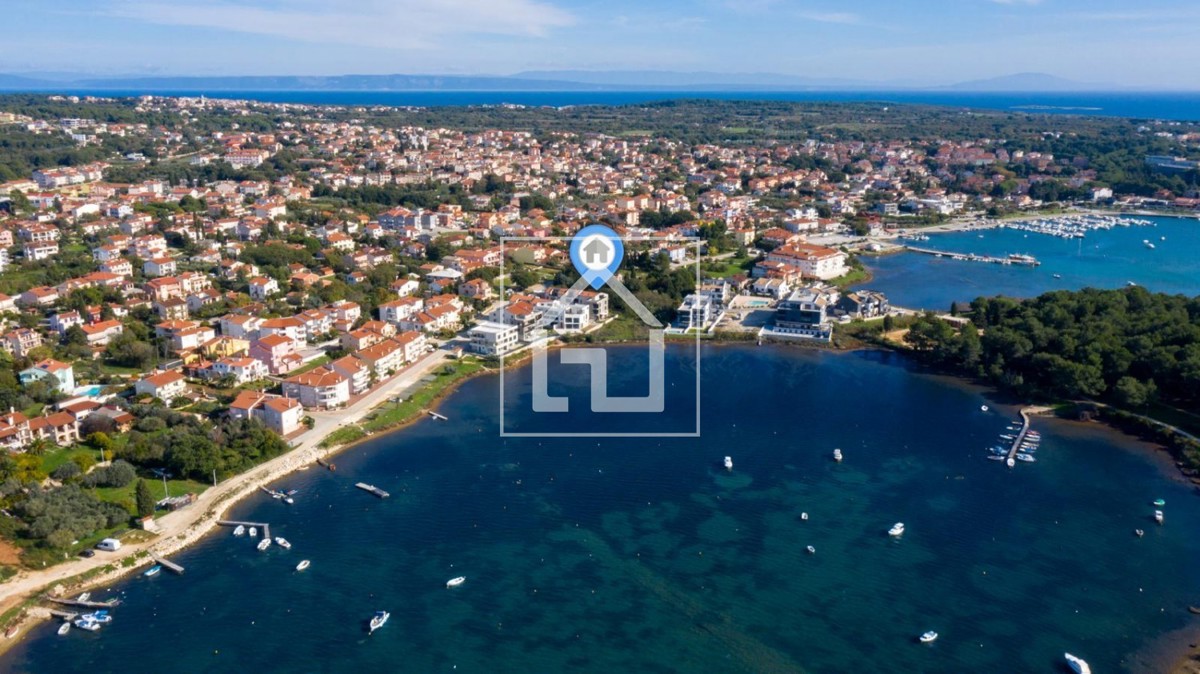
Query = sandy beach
x=183 y=527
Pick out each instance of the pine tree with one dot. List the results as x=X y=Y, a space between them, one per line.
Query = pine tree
x=145 y=500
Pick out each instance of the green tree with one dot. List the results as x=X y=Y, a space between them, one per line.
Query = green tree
x=145 y=500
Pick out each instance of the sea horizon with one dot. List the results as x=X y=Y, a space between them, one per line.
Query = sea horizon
x=1175 y=105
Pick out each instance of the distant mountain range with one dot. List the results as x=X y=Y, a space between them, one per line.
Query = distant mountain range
x=544 y=80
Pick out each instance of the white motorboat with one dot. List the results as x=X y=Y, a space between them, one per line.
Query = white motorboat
x=804 y=516
x=811 y=550
x=240 y=530
x=1010 y=463
x=837 y=455
x=66 y=627
x=253 y=532
x=897 y=529
x=303 y=565
x=101 y=617
x=929 y=637
x=1139 y=533
x=729 y=463
x=283 y=543
x=379 y=619
x=1027 y=458
x=289 y=500
x=264 y=544
x=1158 y=516
x=1077 y=665
x=983 y=408
x=85 y=596
x=455 y=582
x=87 y=624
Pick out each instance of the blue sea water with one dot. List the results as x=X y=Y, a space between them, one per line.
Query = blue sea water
x=646 y=556
x=1147 y=105
x=1103 y=259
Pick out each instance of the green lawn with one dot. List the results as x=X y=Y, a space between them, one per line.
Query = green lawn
x=124 y=496
x=311 y=365
x=398 y=413
x=54 y=458
x=725 y=268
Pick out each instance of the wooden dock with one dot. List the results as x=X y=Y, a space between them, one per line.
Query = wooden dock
x=84 y=604
x=1022 y=260
x=1016 y=445
x=65 y=615
x=372 y=489
x=326 y=464
x=167 y=564
x=266 y=528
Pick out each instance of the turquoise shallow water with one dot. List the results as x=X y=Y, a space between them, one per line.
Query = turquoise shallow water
x=1103 y=259
x=644 y=555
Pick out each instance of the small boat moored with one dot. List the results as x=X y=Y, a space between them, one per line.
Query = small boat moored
x=897 y=529
x=264 y=544
x=1077 y=665
x=729 y=463
x=1139 y=533
x=455 y=582
x=1158 y=502
x=283 y=543
x=1158 y=516
x=303 y=565
x=152 y=571
x=85 y=623
x=379 y=620
x=929 y=637
x=66 y=627
x=837 y=455
x=240 y=530
x=804 y=516
x=253 y=532
x=811 y=550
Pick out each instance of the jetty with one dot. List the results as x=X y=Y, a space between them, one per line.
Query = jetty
x=1016 y=445
x=1021 y=260
x=266 y=528
x=372 y=489
x=84 y=604
x=437 y=416
x=326 y=464
x=65 y=615
x=167 y=564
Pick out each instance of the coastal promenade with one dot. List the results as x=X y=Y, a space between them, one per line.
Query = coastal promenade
x=183 y=527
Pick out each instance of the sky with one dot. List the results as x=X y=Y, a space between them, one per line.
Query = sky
x=1147 y=43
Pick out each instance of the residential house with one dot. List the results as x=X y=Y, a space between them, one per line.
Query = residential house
x=320 y=388
x=165 y=386
x=281 y=414
x=57 y=375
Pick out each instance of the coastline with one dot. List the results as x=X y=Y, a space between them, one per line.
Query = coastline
x=182 y=528
x=1181 y=647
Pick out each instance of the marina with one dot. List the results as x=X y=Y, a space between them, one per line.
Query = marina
x=1011 y=259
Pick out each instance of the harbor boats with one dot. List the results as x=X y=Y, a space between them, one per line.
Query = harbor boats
x=804 y=516
x=811 y=550
x=379 y=620
x=1158 y=502
x=85 y=623
x=303 y=565
x=253 y=532
x=1057 y=275
x=1139 y=533
x=729 y=463
x=240 y=530
x=1010 y=463
x=897 y=529
x=1077 y=665
x=1027 y=458
x=152 y=571
x=264 y=544
x=99 y=617
x=283 y=543
x=995 y=457
x=929 y=637
x=64 y=628
x=837 y=455
x=1158 y=516
x=85 y=596
x=455 y=582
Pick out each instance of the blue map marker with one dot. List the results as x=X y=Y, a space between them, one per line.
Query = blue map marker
x=597 y=252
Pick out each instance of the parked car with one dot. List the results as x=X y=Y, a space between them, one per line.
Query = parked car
x=87 y=553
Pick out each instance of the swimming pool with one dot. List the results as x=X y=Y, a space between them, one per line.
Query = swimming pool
x=90 y=391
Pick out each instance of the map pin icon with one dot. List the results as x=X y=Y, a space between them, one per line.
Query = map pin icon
x=596 y=252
